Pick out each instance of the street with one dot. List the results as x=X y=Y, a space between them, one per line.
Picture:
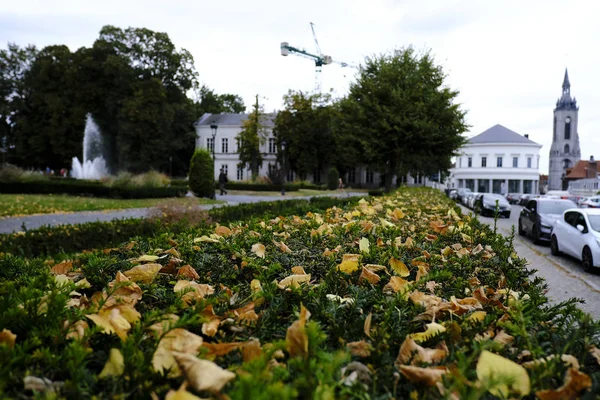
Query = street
x=564 y=275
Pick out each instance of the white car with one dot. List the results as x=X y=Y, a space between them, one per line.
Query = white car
x=577 y=233
x=591 y=202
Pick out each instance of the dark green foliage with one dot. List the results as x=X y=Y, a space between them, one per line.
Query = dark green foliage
x=201 y=180
x=253 y=135
x=333 y=177
x=89 y=188
x=377 y=192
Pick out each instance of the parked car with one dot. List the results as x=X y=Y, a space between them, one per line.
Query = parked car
x=467 y=198
x=472 y=198
x=486 y=204
x=539 y=216
x=577 y=233
x=462 y=192
x=513 y=198
x=453 y=194
x=591 y=202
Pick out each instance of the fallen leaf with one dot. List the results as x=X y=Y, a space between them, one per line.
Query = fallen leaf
x=349 y=263
x=41 y=384
x=202 y=374
x=360 y=348
x=282 y=246
x=426 y=376
x=503 y=337
x=146 y=258
x=363 y=245
x=62 y=268
x=298 y=270
x=220 y=349
x=251 y=350
x=296 y=338
x=575 y=382
x=258 y=249
x=502 y=376
x=187 y=271
x=396 y=285
x=144 y=273
x=211 y=327
x=293 y=281
x=410 y=350
x=399 y=267
x=180 y=394
x=367 y=326
x=111 y=322
x=433 y=329
x=7 y=338
x=198 y=292
x=115 y=365
x=595 y=352
x=179 y=340
x=477 y=316
x=205 y=238
x=222 y=231
x=369 y=276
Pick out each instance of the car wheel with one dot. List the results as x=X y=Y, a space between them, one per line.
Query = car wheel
x=587 y=260
x=554 y=246
x=535 y=235
x=521 y=230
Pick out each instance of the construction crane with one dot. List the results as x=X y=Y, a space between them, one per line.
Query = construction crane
x=320 y=59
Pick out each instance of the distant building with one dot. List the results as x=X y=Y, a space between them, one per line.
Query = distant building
x=582 y=179
x=564 y=152
x=498 y=160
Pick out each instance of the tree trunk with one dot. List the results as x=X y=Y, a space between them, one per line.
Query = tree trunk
x=389 y=175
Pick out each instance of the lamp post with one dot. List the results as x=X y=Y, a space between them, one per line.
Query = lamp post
x=213 y=129
x=283 y=144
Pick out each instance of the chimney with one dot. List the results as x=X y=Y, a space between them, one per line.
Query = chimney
x=592 y=168
x=527 y=135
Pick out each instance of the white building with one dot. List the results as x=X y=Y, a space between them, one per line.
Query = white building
x=498 y=160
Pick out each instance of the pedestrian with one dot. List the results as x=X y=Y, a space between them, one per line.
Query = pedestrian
x=222 y=181
x=340 y=184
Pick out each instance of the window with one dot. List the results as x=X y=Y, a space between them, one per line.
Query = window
x=567 y=148
x=554 y=129
x=528 y=162
x=567 y=128
x=225 y=145
x=369 y=176
x=515 y=162
x=571 y=217
x=272 y=169
x=470 y=162
x=352 y=175
x=224 y=168
x=238 y=142
x=210 y=144
x=484 y=162
x=499 y=162
x=272 y=146
x=240 y=173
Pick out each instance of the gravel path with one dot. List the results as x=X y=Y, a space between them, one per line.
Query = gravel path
x=15 y=224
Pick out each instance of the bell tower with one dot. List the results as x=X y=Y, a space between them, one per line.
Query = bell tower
x=564 y=152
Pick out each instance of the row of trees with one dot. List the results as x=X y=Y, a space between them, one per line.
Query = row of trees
x=134 y=82
x=399 y=117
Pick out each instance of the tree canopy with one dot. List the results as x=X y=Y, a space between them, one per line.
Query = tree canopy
x=253 y=135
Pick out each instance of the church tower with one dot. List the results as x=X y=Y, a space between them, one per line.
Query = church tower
x=564 y=152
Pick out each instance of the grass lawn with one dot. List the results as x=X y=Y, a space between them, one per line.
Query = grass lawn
x=27 y=204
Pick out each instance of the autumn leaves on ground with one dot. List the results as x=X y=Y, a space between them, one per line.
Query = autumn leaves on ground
x=393 y=297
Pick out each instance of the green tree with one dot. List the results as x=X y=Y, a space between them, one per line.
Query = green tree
x=333 y=177
x=403 y=115
x=253 y=135
x=201 y=174
x=207 y=101
x=305 y=125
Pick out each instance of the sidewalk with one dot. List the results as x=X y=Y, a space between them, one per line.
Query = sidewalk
x=15 y=224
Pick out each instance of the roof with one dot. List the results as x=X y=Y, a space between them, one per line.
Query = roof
x=229 y=119
x=579 y=170
x=500 y=134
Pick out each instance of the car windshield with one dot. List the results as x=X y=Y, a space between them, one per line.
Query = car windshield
x=554 y=207
x=595 y=222
x=491 y=198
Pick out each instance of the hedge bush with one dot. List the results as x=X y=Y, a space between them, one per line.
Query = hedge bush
x=396 y=297
x=88 y=188
x=333 y=177
x=201 y=174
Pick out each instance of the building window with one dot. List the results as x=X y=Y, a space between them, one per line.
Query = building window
x=567 y=148
x=240 y=172
x=225 y=145
x=499 y=162
x=369 y=176
x=352 y=175
x=515 y=162
x=470 y=162
x=210 y=144
x=554 y=128
x=272 y=168
x=568 y=128
x=484 y=162
x=238 y=143
x=317 y=176
x=272 y=149
x=528 y=162
x=224 y=168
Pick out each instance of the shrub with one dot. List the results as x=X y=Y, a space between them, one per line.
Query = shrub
x=260 y=187
x=201 y=178
x=333 y=177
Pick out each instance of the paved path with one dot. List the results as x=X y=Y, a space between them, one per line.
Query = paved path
x=15 y=224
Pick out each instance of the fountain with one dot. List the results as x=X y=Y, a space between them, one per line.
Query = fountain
x=93 y=165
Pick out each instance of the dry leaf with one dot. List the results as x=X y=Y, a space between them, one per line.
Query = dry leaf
x=376 y=267
x=258 y=249
x=396 y=285
x=360 y=348
x=367 y=326
x=41 y=384
x=399 y=267
x=187 y=271
x=595 y=352
x=115 y=365
x=363 y=245
x=62 y=268
x=222 y=231
x=220 y=349
x=180 y=394
x=296 y=338
x=349 y=263
x=368 y=276
x=575 y=382
x=432 y=330
x=293 y=281
x=146 y=258
x=144 y=273
x=7 y=338
x=202 y=374
x=211 y=327
x=111 y=322
x=410 y=350
x=199 y=290
x=298 y=270
x=503 y=337
x=502 y=376
x=77 y=330
x=251 y=350
x=477 y=316
x=426 y=376
x=282 y=246
x=177 y=339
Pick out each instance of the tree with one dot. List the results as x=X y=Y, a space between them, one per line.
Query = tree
x=201 y=175
x=207 y=101
x=305 y=125
x=403 y=115
x=253 y=135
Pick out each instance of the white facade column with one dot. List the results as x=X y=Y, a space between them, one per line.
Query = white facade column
x=520 y=185
x=490 y=187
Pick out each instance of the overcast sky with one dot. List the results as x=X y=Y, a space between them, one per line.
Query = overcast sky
x=507 y=58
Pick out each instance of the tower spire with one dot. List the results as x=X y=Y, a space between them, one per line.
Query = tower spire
x=566 y=84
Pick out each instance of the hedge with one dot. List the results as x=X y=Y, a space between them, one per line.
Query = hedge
x=395 y=297
x=201 y=174
x=88 y=188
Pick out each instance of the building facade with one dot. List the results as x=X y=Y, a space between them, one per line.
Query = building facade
x=498 y=160
x=564 y=152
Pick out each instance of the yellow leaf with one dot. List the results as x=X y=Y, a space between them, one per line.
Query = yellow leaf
x=202 y=374
x=399 y=267
x=367 y=326
x=210 y=328
x=181 y=394
x=595 y=352
x=296 y=339
x=282 y=246
x=363 y=245
x=177 y=339
x=396 y=285
x=255 y=286
x=258 y=249
x=359 y=349
x=115 y=365
x=349 y=263
x=205 y=238
x=251 y=350
x=410 y=350
x=298 y=270
x=432 y=330
x=222 y=231
x=7 y=338
x=293 y=281
x=502 y=376
x=200 y=290
x=146 y=258
x=369 y=276
x=111 y=322
x=143 y=273
x=187 y=271
x=477 y=316
x=575 y=382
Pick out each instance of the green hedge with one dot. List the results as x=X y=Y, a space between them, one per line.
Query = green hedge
x=89 y=188
x=201 y=174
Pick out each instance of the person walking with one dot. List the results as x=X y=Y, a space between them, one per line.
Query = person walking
x=222 y=181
